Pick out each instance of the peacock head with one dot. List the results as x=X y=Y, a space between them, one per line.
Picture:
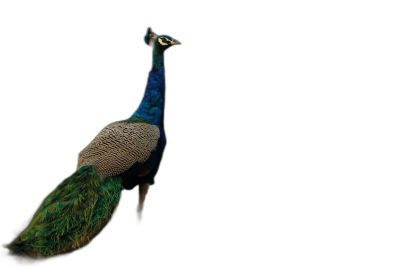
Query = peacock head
x=162 y=42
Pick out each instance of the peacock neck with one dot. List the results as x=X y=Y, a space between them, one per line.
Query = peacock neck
x=152 y=106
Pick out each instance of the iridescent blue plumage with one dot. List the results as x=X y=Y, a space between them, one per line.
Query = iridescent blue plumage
x=151 y=109
x=152 y=106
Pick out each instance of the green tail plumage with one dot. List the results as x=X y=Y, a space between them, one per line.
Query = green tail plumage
x=70 y=216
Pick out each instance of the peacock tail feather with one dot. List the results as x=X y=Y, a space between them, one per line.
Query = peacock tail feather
x=75 y=212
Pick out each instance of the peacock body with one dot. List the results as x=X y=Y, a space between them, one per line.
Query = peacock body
x=123 y=155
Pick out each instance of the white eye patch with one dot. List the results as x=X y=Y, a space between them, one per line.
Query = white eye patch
x=161 y=42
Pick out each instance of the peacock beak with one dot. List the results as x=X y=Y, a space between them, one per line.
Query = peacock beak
x=175 y=42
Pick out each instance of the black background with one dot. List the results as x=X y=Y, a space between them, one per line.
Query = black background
x=67 y=76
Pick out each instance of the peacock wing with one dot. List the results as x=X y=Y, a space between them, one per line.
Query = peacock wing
x=118 y=146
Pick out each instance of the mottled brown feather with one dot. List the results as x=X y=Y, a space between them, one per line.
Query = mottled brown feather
x=118 y=146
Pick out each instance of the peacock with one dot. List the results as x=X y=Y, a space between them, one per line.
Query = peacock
x=123 y=155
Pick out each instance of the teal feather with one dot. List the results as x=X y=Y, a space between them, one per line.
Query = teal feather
x=70 y=216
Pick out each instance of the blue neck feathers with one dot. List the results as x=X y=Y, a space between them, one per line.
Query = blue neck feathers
x=152 y=106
